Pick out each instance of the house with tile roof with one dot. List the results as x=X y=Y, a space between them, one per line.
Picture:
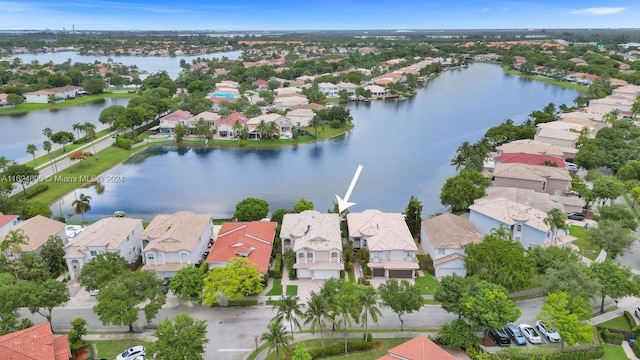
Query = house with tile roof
x=112 y=234
x=548 y=179
x=444 y=238
x=392 y=250
x=529 y=159
x=168 y=122
x=207 y=116
x=530 y=147
x=328 y=89
x=37 y=230
x=224 y=126
x=253 y=240
x=558 y=137
x=316 y=241
x=584 y=119
x=36 y=342
x=284 y=125
x=174 y=241
x=349 y=87
x=58 y=93
x=300 y=117
x=538 y=200
x=419 y=348
x=289 y=100
x=7 y=222
x=525 y=223
x=3 y=101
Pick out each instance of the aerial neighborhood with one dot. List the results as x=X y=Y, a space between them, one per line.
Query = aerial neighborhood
x=530 y=251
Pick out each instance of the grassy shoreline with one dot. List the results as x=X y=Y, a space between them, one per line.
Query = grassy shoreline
x=563 y=84
x=25 y=107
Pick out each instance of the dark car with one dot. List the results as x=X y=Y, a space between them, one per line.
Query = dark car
x=576 y=216
x=499 y=337
x=165 y=285
x=515 y=334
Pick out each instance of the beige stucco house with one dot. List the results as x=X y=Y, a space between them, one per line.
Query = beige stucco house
x=37 y=230
x=548 y=179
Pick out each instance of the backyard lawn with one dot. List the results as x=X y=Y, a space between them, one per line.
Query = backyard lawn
x=427 y=284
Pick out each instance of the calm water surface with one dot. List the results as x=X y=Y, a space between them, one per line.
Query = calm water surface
x=405 y=148
x=19 y=130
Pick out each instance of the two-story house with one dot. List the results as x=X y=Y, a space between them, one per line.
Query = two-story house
x=444 y=238
x=316 y=241
x=328 y=89
x=253 y=240
x=110 y=234
x=548 y=179
x=226 y=127
x=168 y=122
x=37 y=231
x=392 y=250
x=174 y=241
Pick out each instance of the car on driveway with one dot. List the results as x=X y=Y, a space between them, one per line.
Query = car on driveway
x=637 y=311
x=530 y=333
x=515 y=334
x=499 y=337
x=165 y=285
x=576 y=216
x=132 y=353
x=571 y=166
x=548 y=332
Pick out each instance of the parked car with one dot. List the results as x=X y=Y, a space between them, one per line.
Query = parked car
x=530 y=333
x=637 y=311
x=571 y=166
x=576 y=216
x=548 y=332
x=165 y=285
x=94 y=292
x=131 y=353
x=515 y=334
x=499 y=337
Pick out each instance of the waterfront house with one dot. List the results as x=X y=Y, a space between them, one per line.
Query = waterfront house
x=418 y=348
x=284 y=125
x=536 y=147
x=207 y=116
x=58 y=94
x=3 y=101
x=328 y=89
x=584 y=119
x=37 y=230
x=287 y=101
x=7 y=222
x=349 y=87
x=622 y=102
x=377 y=91
x=36 y=342
x=300 y=117
x=524 y=223
x=392 y=250
x=558 y=137
x=174 y=241
x=168 y=122
x=112 y=234
x=541 y=201
x=224 y=126
x=316 y=241
x=529 y=159
x=548 y=179
x=444 y=238
x=629 y=91
x=252 y=240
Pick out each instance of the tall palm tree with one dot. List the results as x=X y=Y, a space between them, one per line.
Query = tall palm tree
x=46 y=145
x=31 y=149
x=82 y=205
x=501 y=233
x=289 y=310
x=77 y=127
x=91 y=135
x=315 y=122
x=12 y=241
x=557 y=220
x=262 y=128
x=368 y=302
x=316 y=313
x=273 y=130
x=47 y=132
x=276 y=337
x=458 y=161
x=64 y=140
x=345 y=313
x=237 y=128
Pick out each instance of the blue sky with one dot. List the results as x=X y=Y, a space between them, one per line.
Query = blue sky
x=316 y=14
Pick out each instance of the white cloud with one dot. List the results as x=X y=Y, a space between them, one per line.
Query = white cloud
x=599 y=11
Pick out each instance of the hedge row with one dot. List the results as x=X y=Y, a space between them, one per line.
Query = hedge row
x=630 y=320
x=588 y=354
x=338 y=349
x=123 y=143
x=611 y=337
x=35 y=190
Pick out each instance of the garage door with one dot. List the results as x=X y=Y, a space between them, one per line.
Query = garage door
x=378 y=272
x=442 y=272
x=303 y=273
x=325 y=274
x=400 y=274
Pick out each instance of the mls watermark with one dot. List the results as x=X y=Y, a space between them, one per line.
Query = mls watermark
x=103 y=179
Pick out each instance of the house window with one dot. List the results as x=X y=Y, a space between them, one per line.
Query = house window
x=409 y=254
x=334 y=255
x=376 y=254
x=519 y=227
x=385 y=255
x=544 y=185
x=310 y=255
x=160 y=258
x=440 y=251
x=184 y=257
x=364 y=242
x=150 y=257
x=93 y=253
x=301 y=255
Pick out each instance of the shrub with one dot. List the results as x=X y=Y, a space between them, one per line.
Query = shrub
x=368 y=337
x=338 y=349
x=289 y=261
x=336 y=124
x=82 y=140
x=277 y=267
x=426 y=264
x=611 y=337
x=630 y=320
x=342 y=273
x=35 y=190
x=592 y=174
x=636 y=348
x=123 y=143
x=520 y=354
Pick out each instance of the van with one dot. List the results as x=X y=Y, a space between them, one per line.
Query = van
x=499 y=337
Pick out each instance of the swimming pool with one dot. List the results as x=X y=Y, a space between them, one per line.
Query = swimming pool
x=223 y=95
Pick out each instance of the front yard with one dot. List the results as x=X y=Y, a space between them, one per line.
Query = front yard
x=427 y=284
x=587 y=248
x=379 y=349
x=109 y=349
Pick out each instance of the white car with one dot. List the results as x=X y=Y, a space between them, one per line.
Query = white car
x=530 y=333
x=638 y=311
x=571 y=166
x=548 y=332
x=94 y=292
x=132 y=353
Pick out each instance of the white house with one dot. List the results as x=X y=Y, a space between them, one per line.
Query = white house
x=283 y=123
x=349 y=87
x=328 y=89
x=37 y=230
x=300 y=117
x=168 y=122
x=59 y=94
x=444 y=238
x=110 y=234
x=392 y=250
x=315 y=239
x=173 y=241
x=377 y=91
x=7 y=222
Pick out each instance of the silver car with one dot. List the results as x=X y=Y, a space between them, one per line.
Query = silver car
x=548 y=332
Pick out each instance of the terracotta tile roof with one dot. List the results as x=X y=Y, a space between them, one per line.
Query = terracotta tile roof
x=34 y=343
x=38 y=229
x=530 y=172
x=5 y=219
x=231 y=119
x=312 y=230
x=448 y=231
x=529 y=159
x=253 y=240
x=175 y=232
x=419 y=348
x=383 y=231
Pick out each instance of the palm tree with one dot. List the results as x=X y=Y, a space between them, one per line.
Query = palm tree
x=46 y=145
x=458 y=161
x=262 y=128
x=31 y=149
x=315 y=122
x=317 y=312
x=344 y=313
x=289 y=310
x=501 y=233
x=12 y=241
x=368 y=302
x=82 y=205
x=202 y=128
x=475 y=162
x=47 y=132
x=237 y=128
x=77 y=127
x=64 y=140
x=557 y=220
x=91 y=135
x=273 y=130
x=276 y=337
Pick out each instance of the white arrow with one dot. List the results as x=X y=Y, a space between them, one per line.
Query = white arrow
x=345 y=204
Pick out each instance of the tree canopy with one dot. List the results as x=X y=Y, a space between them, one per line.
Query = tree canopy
x=102 y=269
x=302 y=205
x=251 y=209
x=401 y=297
x=461 y=190
x=612 y=237
x=413 y=216
x=568 y=315
x=188 y=282
x=615 y=281
x=238 y=278
x=178 y=339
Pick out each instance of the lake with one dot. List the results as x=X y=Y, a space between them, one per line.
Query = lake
x=19 y=130
x=405 y=148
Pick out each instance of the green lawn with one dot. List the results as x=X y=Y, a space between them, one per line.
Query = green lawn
x=109 y=349
x=44 y=159
x=612 y=352
x=564 y=84
x=375 y=353
x=276 y=289
x=25 y=107
x=619 y=323
x=352 y=276
x=292 y=290
x=588 y=249
x=427 y=284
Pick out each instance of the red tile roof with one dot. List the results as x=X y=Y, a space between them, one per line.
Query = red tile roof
x=5 y=219
x=231 y=119
x=419 y=348
x=34 y=343
x=253 y=240
x=529 y=159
